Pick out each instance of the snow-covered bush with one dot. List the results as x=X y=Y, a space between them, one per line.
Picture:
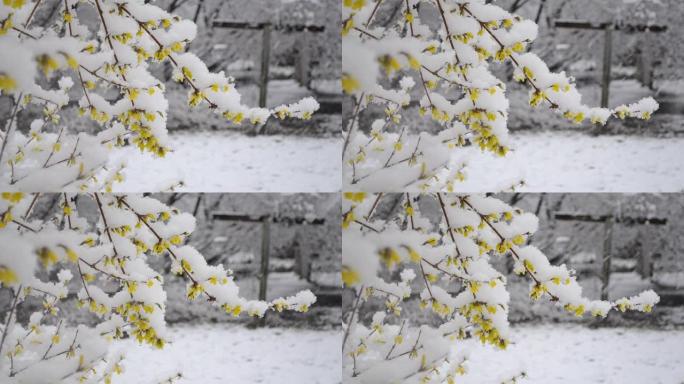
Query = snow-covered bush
x=449 y=62
x=385 y=259
x=108 y=58
x=109 y=262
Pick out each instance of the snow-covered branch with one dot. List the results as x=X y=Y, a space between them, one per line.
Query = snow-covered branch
x=385 y=259
x=111 y=65
x=115 y=283
x=450 y=55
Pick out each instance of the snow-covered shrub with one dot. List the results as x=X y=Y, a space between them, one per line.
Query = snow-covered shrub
x=109 y=263
x=448 y=61
x=108 y=59
x=385 y=259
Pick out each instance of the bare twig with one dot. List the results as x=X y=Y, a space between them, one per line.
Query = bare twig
x=5 y=330
x=351 y=318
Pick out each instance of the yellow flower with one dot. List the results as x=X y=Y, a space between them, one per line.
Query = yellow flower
x=356 y=197
x=71 y=255
x=390 y=64
x=398 y=146
x=518 y=239
x=7 y=83
x=176 y=239
x=538 y=291
x=280 y=304
x=7 y=276
x=413 y=255
x=195 y=98
x=347 y=26
x=187 y=73
x=349 y=83
x=528 y=265
x=349 y=276
x=177 y=46
x=16 y=4
x=528 y=73
x=390 y=257
x=347 y=219
x=47 y=64
x=13 y=197
x=132 y=287
x=474 y=287
x=186 y=266
x=160 y=247
x=194 y=290
x=6 y=25
x=133 y=94
x=303 y=308
x=518 y=47
x=47 y=257
x=354 y=4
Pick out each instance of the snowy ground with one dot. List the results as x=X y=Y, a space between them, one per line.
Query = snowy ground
x=550 y=354
x=230 y=161
x=570 y=354
x=209 y=354
x=566 y=161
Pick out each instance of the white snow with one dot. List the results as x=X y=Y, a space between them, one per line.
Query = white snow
x=576 y=162
x=560 y=354
x=230 y=161
x=207 y=354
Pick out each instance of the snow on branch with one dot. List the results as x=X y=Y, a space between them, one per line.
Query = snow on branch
x=384 y=259
x=109 y=262
x=111 y=67
x=381 y=65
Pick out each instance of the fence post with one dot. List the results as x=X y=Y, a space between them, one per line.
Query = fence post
x=265 y=61
x=263 y=274
x=645 y=263
x=607 y=62
x=607 y=256
x=303 y=65
x=647 y=57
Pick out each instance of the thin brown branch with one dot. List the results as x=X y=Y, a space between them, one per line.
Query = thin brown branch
x=351 y=318
x=5 y=330
x=33 y=11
